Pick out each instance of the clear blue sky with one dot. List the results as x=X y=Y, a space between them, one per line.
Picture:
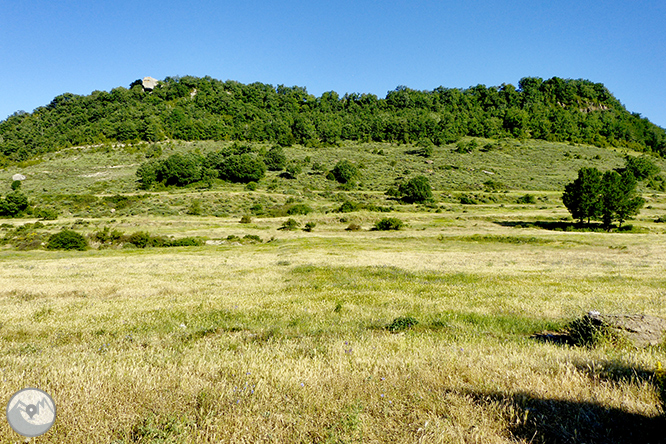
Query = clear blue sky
x=51 y=47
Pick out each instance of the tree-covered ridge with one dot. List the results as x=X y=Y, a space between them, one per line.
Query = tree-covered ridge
x=191 y=108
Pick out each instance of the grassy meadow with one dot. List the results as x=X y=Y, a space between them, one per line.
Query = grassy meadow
x=305 y=337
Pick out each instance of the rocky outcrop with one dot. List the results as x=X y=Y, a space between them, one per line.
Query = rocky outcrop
x=149 y=83
x=18 y=177
x=641 y=330
x=638 y=330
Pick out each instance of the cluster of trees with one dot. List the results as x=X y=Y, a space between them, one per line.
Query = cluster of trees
x=191 y=108
x=610 y=196
x=236 y=164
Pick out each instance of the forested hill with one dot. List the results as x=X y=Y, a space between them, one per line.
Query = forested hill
x=191 y=108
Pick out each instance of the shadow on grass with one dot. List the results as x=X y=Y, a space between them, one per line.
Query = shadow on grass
x=592 y=227
x=553 y=225
x=544 y=420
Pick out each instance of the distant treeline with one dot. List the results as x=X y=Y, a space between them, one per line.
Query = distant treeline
x=191 y=108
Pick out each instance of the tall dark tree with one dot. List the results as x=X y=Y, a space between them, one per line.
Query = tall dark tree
x=620 y=201
x=582 y=197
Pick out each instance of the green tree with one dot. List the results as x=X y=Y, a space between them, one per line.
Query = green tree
x=620 y=201
x=416 y=190
x=582 y=197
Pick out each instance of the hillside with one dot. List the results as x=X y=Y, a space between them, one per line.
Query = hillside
x=190 y=108
x=89 y=181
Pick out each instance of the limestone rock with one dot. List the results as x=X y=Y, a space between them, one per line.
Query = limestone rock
x=149 y=83
x=18 y=177
x=641 y=330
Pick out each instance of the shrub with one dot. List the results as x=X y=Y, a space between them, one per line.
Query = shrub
x=45 y=213
x=242 y=168
x=309 y=226
x=185 y=242
x=246 y=219
x=389 y=223
x=424 y=148
x=349 y=206
x=402 y=323
x=67 y=240
x=527 y=199
x=275 y=159
x=299 y=209
x=289 y=225
x=293 y=170
x=140 y=239
x=467 y=200
x=252 y=238
x=14 y=204
x=344 y=171
x=416 y=190
x=251 y=186
x=493 y=185
x=353 y=227
x=180 y=169
x=16 y=185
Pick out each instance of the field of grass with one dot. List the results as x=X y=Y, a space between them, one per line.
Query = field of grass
x=286 y=341
x=307 y=336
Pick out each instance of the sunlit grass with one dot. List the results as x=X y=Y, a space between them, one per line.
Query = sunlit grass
x=287 y=341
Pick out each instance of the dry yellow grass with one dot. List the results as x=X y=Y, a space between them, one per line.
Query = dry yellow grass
x=284 y=341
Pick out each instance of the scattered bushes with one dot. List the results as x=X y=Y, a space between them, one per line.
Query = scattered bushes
x=389 y=223
x=67 y=240
x=299 y=209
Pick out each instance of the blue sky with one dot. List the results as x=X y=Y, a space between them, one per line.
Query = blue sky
x=51 y=47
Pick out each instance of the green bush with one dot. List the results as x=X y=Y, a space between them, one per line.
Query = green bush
x=468 y=200
x=289 y=225
x=185 y=242
x=180 y=169
x=140 y=239
x=527 y=199
x=344 y=171
x=292 y=170
x=251 y=186
x=389 y=223
x=416 y=190
x=16 y=185
x=349 y=207
x=45 y=213
x=14 y=204
x=275 y=159
x=299 y=209
x=67 y=240
x=309 y=226
x=402 y=323
x=242 y=168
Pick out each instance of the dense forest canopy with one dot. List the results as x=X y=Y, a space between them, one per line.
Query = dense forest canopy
x=191 y=108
